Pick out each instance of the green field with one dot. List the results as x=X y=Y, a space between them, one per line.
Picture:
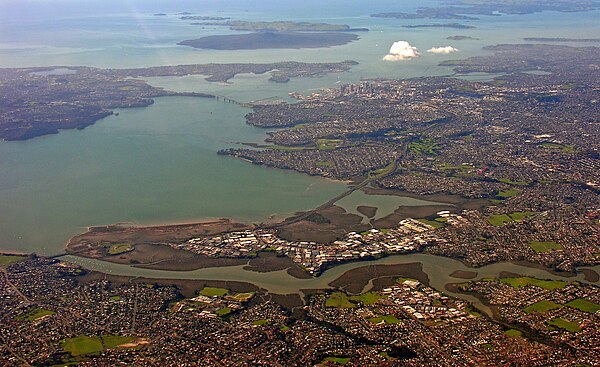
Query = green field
x=6 y=260
x=519 y=216
x=525 y=281
x=462 y=167
x=120 y=248
x=570 y=326
x=505 y=194
x=500 y=219
x=339 y=300
x=115 y=298
x=336 y=360
x=389 y=319
x=240 y=297
x=433 y=223
x=261 y=322
x=584 y=305
x=368 y=298
x=382 y=171
x=113 y=341
x=213 y=292
x=544 y=246
x=541 y=306
x=82 y=345
x=516 y=183
x=565 y=148
x=328 y=144
x=513 y=333
x=224 y=311
x=35 y=314
x=425 y=146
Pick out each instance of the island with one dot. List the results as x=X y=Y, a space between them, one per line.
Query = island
x=202 y=17
x=445 y=25
x=43 y=100
x=461 y=38
x=271 y=40
x=284 y=26
x=425 y=13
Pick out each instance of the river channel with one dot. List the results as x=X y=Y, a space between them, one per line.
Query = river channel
x=437 y=268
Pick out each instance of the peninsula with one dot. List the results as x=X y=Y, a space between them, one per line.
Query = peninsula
x=43 y=100
x=467 y=9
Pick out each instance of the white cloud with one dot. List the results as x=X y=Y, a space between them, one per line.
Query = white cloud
x=442 y=50
x=401 y=50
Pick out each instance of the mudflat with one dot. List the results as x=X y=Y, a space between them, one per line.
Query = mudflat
x=355 y=280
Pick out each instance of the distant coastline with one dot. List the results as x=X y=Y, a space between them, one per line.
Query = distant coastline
x=559 y=39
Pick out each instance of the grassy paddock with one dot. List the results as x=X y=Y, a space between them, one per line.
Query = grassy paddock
x=525 y=281
x=35 y=314
x=6 y=260
x=120 y=248
x=368 y=298
x=339 y=300
x=213 y=292
x=544 y=246
x=541 y=306
x=388 y=319
x=513 y=333
x=569 y=326
x=584 y=305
